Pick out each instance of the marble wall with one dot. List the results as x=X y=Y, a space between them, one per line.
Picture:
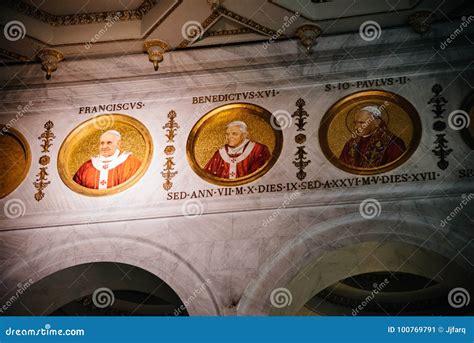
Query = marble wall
x=246 y=245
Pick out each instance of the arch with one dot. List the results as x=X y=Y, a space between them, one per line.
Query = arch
x=330 y=251
x=160 y=261
x=118 y=285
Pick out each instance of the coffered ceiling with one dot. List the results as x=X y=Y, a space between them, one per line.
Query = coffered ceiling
x=86 y=28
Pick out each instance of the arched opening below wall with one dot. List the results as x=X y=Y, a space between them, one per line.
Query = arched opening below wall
x=100 y=289
x=383 y=294
x=378 y=278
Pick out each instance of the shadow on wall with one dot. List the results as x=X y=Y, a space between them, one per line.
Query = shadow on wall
x=391 y=265
x=98 y=289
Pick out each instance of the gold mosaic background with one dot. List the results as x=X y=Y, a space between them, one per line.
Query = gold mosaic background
x=86 y=144
x=399 y=123
x=211 y=135
x=13 y=163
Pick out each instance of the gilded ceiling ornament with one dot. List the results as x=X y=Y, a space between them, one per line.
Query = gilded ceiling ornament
x=214 y=4
x=155 y=48
x=421 y=21
x=50 y=59
x=308 y=34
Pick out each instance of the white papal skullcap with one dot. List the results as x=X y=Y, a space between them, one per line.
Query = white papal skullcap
x=241 y=124
x=374 y=110
x=114 y=132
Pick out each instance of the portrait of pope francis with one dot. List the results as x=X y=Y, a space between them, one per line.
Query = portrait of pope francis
x=111 y=167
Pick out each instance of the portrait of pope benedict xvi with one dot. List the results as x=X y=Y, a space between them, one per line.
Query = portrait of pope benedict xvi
x=240 y=156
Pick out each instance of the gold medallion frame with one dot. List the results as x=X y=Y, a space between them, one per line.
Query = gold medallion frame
x=210 y=117
x=97 y=123
x=20 y=177
x=356 y=99
x=468 y=107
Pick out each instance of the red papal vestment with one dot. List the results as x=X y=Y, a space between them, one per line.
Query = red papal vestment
x=378 y=149
x=99 y=173
x=232 y=163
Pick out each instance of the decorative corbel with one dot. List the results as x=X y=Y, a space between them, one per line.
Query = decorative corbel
x=215 y=4
x=308 y=34
x=155 y=48
x=421 y=21
x=50 y=59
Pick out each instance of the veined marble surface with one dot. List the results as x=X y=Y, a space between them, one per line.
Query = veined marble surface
x=148 y=199
x=228 y=242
